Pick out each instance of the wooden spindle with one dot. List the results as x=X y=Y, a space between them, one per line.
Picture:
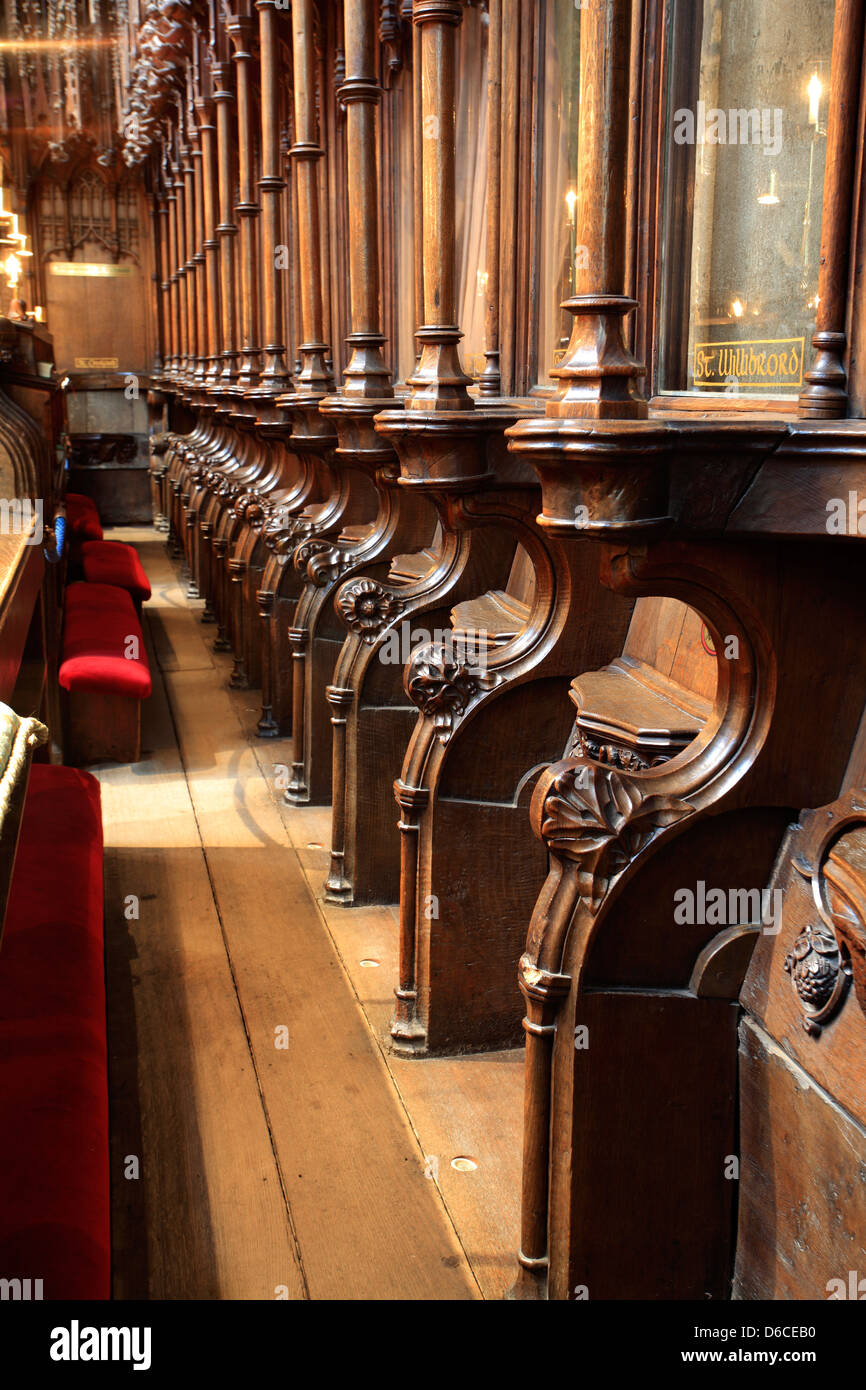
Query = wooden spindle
x=491 y=379
x=180 y=243
x=315 y=378
x=417 y=190
x=156 y=280
x=598 y=374
x=199 y=260
x=275 y=373
x=825 y=397
x=366 y=374
x=226 y=230
x=211 y=244
x=247 y=210
x=439 y=382
x=188 y=172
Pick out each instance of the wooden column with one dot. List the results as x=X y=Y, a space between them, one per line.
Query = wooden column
x=199 y=261
x=156 y=279
x=491 y=380
x=247 y=209
x=366 y=374
x=226 y=229
x=166 y=267
x=417 y=188
x=211 y=244
x=598 y=374
x=826 y=397
x=188 y=174
x=315 y=378
x=275 y=372
x=439 y=382
x=179 y=276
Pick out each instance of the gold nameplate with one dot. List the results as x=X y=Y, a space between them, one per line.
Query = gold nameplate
x=87 y=268
x=768 y=364
x=95 y=364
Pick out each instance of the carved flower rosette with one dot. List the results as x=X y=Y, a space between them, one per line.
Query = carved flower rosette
x=443 y=685
x=602 y=821
x=366 y=608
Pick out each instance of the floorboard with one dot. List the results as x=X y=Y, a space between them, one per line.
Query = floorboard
x=319 y=1169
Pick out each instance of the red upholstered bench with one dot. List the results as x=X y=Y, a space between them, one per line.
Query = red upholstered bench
x=54 y=1164
x=104 y=668
x=114 y=562
x=82 y=517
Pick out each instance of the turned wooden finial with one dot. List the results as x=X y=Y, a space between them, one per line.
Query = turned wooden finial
x=825 y=397
x=598 y=374
x=439 y=381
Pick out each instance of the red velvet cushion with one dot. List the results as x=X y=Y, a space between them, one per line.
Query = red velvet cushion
x=114 y=562
x=82 y=517
x=54 y=1165
x=98 y=624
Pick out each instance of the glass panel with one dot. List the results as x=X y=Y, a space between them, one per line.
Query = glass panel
x=746 y=144
x=472 y=185
x=560 y=83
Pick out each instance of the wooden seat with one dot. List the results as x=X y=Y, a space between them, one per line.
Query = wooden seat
x=498 y=616
x=633 y=713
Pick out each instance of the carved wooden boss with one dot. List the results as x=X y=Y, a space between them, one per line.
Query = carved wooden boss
x=631 y=1014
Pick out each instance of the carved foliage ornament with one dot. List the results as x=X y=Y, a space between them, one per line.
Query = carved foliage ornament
x=602 y=820
x=442 y=684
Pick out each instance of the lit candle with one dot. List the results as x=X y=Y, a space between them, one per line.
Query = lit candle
x=814 y=99
x=571 y=199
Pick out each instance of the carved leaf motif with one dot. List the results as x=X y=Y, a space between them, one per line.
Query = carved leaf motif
x=602 y=820
x=305 y=552
x=442 y=684
x=326 y=568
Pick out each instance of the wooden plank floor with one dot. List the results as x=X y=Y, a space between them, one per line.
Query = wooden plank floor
x=322 y=1168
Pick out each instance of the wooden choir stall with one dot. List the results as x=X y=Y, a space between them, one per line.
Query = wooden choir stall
x=472 y=679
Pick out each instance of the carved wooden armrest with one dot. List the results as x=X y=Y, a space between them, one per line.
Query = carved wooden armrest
x=408 y=569
x=491 y=620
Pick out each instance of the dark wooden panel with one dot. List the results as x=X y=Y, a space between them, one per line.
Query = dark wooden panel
x=802 y=1219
